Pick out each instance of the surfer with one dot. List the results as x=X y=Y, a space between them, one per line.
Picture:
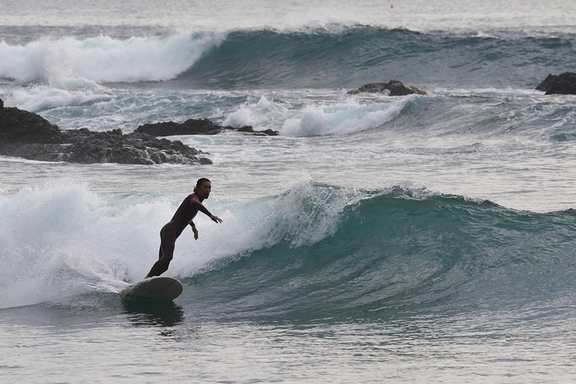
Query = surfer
x=183 y=217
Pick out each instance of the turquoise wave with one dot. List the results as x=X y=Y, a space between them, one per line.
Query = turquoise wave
x=394 y=252
x=356 y=55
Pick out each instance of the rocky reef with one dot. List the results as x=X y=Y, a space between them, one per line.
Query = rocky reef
x=196 y=127
x=27 y=135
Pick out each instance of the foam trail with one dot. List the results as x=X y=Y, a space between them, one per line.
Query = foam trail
x=65 y=240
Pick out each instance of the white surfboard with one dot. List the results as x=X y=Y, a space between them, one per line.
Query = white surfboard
x=157 y=288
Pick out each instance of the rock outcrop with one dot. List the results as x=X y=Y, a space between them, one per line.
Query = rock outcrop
x=27 y=135
x=196 y=127
x=564 y=84
x=392 y=88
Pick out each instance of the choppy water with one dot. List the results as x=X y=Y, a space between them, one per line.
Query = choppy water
x=422 y=238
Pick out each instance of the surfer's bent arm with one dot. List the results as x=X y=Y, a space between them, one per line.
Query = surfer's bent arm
x=200 y=207
x=194 y=230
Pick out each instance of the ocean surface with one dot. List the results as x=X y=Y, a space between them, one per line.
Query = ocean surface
x=425 y=238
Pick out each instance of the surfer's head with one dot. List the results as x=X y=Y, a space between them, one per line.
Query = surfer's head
x=203 y=187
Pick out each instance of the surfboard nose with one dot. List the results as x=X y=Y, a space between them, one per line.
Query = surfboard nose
x=156 y=288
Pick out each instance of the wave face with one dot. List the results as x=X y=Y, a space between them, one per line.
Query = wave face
x=361 y=54
x=329 y=57
x=398 y=251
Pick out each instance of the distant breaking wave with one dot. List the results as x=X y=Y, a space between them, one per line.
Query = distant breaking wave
x=103 y=59
x=314 y=58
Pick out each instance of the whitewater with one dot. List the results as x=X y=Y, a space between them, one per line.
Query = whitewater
x=423 y=238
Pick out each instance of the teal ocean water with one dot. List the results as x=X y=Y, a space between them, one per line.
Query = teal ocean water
x=425 y=238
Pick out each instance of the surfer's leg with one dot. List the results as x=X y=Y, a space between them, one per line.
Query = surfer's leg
x=167 y=242
x=161 y=265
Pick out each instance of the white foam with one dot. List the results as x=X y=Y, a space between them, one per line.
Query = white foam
x=62 y=240
x=317 y=118
x=69 y=63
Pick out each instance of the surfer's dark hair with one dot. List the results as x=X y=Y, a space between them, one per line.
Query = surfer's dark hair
x=199 y=183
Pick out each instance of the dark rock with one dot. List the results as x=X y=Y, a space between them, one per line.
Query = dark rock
x=1 y=103
x=564 y=84
x=189 y=127
x=27 y=135
x=394 y=87
x=195 y=127
x=249 y=129
x=26 y=127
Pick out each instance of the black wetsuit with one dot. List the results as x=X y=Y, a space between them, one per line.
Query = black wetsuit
x=183 y=217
